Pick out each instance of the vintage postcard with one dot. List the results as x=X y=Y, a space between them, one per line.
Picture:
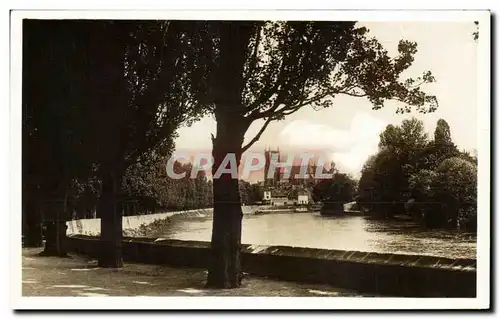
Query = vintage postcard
x=304 y=159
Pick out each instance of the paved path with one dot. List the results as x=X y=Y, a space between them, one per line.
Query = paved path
x=77 y=276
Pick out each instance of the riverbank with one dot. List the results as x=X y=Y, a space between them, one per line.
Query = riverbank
x=287 y=209
x=78 y=276
x=92 y=226
x=356 y=233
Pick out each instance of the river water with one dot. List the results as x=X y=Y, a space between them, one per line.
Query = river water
x=344 y=233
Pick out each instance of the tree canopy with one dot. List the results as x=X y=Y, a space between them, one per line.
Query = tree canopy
x=120 y=92
x=266 y=70
x=430 y=179
x=339 y=189
x=287 y=65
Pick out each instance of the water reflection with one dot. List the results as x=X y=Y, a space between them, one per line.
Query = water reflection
x=347 y=233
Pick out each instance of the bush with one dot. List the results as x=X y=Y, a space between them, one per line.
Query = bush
x=456 y=189
x=446 y=197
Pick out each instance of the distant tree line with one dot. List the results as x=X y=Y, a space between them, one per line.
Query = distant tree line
x=431 y=180
x=146 y=188
x=155 y=190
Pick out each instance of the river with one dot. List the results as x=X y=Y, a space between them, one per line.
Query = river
x=344 y=233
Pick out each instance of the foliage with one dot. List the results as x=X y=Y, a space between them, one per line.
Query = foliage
x=293 y=194
x=431 y=180
x=53 y=153
x=403 y=140
x=381 y=185
x=423 y=205
x=144 y=68
x=339 y=189
x=422 y=183
x=154 y=189
x=76 y=117
x=257 y=193
x=118 y=92
x=442 y=133
x=468 y=157
x=442 y=147
x=83 y=197
x=287 y=65
x=446 y=197
x=250 y=193
x=267 y=70
x=138 y=81
x=456 y=189
x=384 y=182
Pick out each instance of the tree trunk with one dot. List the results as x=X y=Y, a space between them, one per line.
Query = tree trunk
x=227 y=90
x=61 y=227
x=56 y=230
x=55 y=238
x=225 y=269
x=110 y=212
x=33 y=226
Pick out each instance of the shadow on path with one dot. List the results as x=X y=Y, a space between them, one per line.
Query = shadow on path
x=79 y=276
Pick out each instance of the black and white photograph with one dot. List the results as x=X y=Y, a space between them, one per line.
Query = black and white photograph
x=339 y=157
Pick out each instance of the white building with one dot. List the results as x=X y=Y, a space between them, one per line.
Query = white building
x=267 y=196
x=276 y=197
x=302 y=199
x=281 y=201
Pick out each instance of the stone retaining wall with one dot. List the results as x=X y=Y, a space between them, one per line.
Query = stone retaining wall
x=385 y=274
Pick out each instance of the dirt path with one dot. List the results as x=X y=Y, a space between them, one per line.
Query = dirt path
x=77 y=276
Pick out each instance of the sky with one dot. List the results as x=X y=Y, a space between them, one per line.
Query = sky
x=349 y=130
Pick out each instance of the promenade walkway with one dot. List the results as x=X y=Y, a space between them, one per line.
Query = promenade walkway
x=78 y=276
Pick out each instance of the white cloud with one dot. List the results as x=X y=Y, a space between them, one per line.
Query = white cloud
x=349 y=148
x=306 y=134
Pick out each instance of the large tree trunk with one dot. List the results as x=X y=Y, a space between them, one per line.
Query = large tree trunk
x=56 y=227
x=225 y=269
x=55 y=244
x=32 y=226
x=110 y=212
x=227 y=90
